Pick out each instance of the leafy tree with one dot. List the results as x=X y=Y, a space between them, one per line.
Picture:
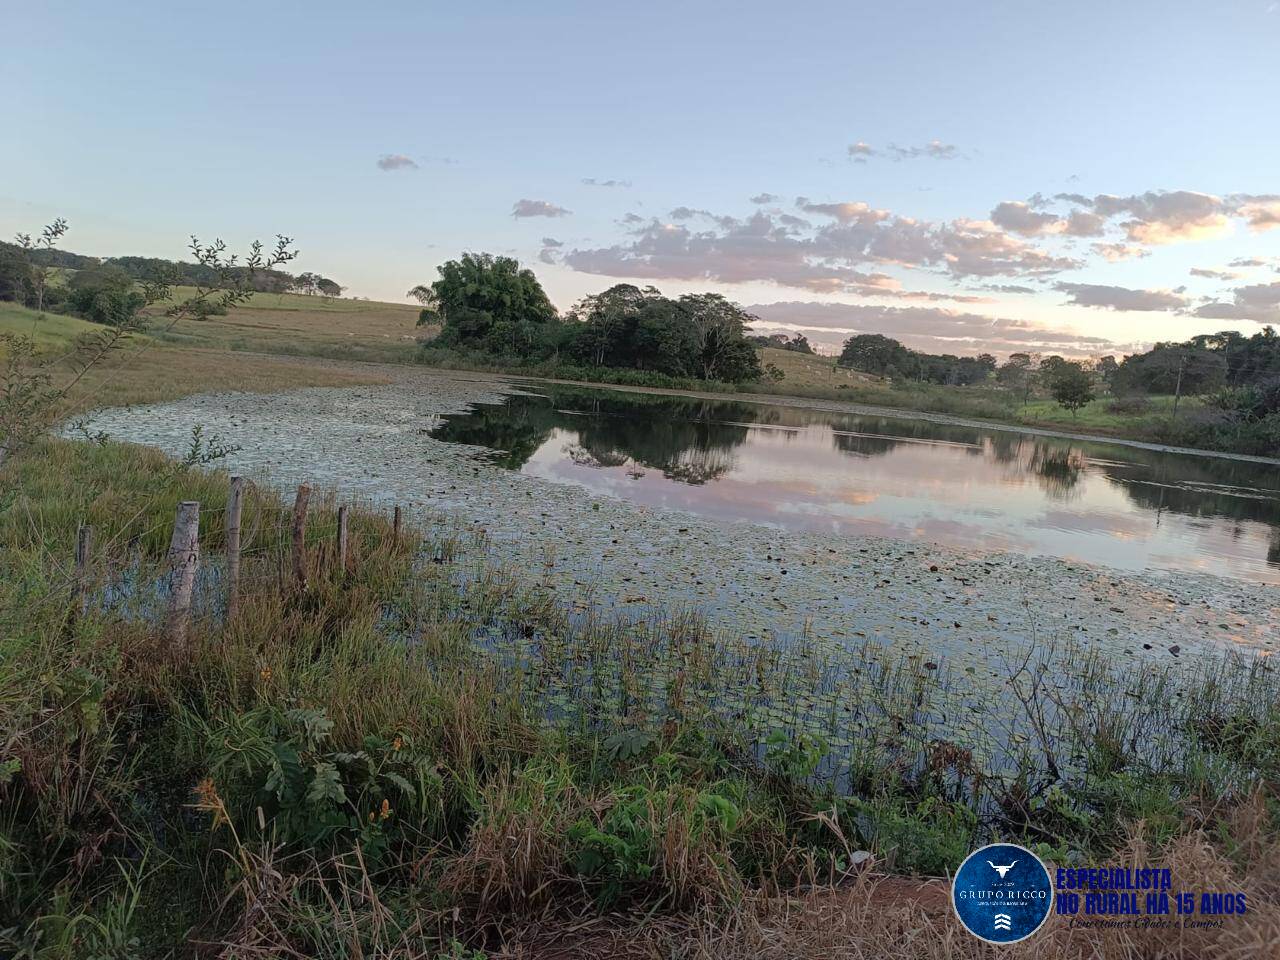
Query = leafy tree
x=312 y=284
x=722 y=349
x=1018 y=373
x=1171 y=368
x=700 y=335
x=17 y=280
x=1071 y=385
x=46 y=241
x=780 y=341
x=873 y=353
x=105 y=295
x=31 y=402
x=488 y=303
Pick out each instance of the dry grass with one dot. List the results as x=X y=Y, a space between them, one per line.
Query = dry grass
x=154 y=375
x=810 y=371
x=287 y=323
x=872 y=917
x=146 y=370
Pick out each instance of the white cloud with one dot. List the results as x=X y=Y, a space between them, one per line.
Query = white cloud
x=396 y=161
x=861 y=151
x=832 y=257
x=537 y=208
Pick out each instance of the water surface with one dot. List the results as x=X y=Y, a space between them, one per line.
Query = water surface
x=972 y=488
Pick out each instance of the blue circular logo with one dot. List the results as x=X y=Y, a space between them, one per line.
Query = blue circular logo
x=1002 y=893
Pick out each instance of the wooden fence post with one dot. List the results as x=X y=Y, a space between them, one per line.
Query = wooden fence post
x=343 y=540
x=300 y=536
x=80 y=588
x=235 y=505
x=184 y=556
x=395 y=527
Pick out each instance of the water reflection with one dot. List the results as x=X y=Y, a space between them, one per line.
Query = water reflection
x=968 y=487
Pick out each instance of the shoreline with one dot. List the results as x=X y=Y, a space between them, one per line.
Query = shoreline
x=975 y=609
x=775 y=399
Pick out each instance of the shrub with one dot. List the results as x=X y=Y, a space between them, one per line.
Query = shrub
x=1128 y=405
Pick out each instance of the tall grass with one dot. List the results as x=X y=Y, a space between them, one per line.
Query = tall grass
x=426 y=754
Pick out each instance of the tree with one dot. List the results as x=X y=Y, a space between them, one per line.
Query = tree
x=1071 y=385
x=306 y=283
x=329 y=288
x=17 y=281
x=48 y=238
x=1019 y=374
x=780 y=341
x=722 y=349
x=105 y=295
x=873 y=353
x=30 y=403
x=487 y=303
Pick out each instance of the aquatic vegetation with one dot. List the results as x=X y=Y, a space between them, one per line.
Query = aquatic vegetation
x=432 y=740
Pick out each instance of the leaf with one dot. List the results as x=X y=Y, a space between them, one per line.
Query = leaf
x=404 y=785
x=285 y=778
x=315 y=725
x=326 y=786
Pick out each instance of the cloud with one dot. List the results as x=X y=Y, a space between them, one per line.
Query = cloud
x=1018 y=217
x=1080 y=223
x=1215 y=274
x=1115 y=252
x=1160 y=217
x=1009 y=288
x=934 y=329
x=831 y=257
x=1260 y=213
x=552 y=242
x=844 y=212
x=1259 y=302
x=765 y=198
x=1121 y=298
x=593 y=182
x=861 y=151
x=396 y=161
x=537 y=208
x=1021 y=218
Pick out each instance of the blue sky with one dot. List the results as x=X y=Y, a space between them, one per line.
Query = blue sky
x=1129 y=143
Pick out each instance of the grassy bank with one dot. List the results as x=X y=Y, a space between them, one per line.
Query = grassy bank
x=227 y=352
x=153 y=370
x=818 y=378
x=426 y=754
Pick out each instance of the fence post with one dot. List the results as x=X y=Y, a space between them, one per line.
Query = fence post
x=235 y=506
x=80 y=588
x=184 y=556
x=300 y=535
x=395 y=527
x=343 y=540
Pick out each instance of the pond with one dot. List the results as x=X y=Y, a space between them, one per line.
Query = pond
x=971 y=488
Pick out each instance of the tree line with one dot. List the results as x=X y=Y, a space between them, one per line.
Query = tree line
x=108 y=290
x=490 y=305
x=886 y=357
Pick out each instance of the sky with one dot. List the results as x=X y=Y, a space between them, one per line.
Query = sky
x=1082 y=178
